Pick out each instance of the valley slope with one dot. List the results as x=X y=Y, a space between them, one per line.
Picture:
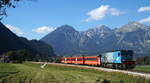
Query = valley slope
x=10 y=42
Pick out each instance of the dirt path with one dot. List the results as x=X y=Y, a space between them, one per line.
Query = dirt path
x=42 y=66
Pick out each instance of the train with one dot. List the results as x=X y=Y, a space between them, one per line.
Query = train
x=118 y=59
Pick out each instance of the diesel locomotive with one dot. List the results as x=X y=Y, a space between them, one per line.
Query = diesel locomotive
x=119 y=59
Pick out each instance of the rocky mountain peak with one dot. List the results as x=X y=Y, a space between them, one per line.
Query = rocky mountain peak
x=98 y=30
x=66 y=28
x=102 y=27
x=132 y=26
x=137 y=24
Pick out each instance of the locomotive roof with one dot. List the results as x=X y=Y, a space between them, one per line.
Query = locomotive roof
x=80 y=55
x=117 y=50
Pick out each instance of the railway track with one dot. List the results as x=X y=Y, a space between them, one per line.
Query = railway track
x=129 y=72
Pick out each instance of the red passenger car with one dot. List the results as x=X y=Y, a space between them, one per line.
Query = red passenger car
x=63 y=60
x=85 y=60
x=73 y=60
x=68 y=59
x=80 y=60
x=92 y=60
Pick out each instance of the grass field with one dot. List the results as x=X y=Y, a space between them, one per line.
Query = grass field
x=32 y=73
x=7 y=69
x=142 y=68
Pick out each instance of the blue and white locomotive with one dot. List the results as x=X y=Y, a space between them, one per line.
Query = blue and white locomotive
x=122 y=59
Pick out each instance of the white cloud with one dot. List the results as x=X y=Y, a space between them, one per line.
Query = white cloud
x=14 y=29
x=142 y=9
x=145 y=20
x=115 y=12
x=43 y=29
x=100 y=13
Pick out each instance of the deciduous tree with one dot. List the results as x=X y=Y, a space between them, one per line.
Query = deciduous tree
x=4 y=4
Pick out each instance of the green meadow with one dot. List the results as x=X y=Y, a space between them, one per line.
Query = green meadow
x=33 y=73
x=142 y=68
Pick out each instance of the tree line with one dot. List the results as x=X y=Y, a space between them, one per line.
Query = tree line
x=144 y=60
x=20 y=56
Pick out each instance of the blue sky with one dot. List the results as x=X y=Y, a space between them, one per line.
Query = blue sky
x=34 y=20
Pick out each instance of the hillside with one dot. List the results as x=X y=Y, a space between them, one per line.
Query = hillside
x=43 y=48
x=132 y=36
x=10 y=41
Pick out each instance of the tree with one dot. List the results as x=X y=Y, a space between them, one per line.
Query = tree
x=16 y=56
x=144 y=60
x=4 y=4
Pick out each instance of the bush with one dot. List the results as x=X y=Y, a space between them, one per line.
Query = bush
x=16 y=56
x=145 y=60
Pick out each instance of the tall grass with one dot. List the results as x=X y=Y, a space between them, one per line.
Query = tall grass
x=142 y=68
x=32 y=73
x=6 y=69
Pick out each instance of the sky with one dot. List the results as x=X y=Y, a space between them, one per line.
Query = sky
x=35 y=19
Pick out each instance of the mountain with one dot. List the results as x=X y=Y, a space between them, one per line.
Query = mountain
x=44 y=49
x=100 y=38
x=10 y=41
x=63 y=40
x=133 y=36
x=67 y=41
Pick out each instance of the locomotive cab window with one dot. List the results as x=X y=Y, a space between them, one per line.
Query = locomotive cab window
x=127 y=55
x=119 y=54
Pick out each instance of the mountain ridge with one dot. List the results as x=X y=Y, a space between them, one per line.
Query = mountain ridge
x=11 y=42
x=132 y=36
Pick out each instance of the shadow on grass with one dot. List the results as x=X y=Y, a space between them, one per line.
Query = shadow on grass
x=4 y=74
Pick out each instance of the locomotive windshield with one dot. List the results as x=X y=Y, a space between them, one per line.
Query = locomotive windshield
x=127 y=55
